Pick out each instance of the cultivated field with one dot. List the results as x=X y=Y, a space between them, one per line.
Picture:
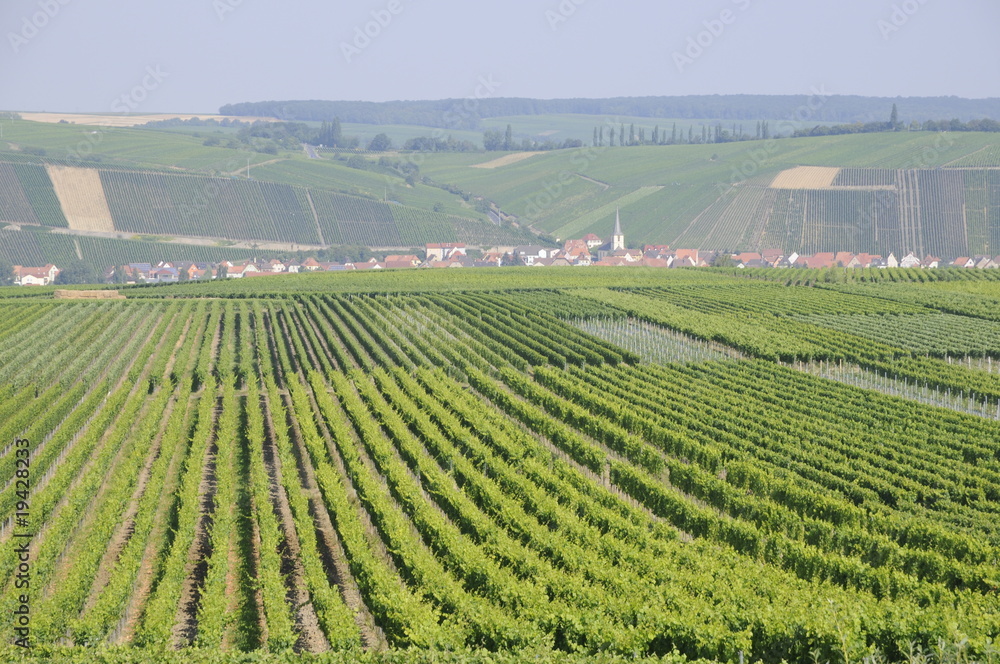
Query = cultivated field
x=505 y=466
x=81 y=196
x=116 y=120
x=506 y=160
x=806 y=177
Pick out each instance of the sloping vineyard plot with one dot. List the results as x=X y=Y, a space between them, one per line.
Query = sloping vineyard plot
x=14 y=204
x=226 y=208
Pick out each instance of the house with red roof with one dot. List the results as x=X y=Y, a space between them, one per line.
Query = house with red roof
x=35 y=276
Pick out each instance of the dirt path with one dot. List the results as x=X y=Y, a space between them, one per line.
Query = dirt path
x=312 y=206
x=123 y=533
x=156 y=544
x=331 y=550
x=311 y=636
x=506 y=160
x=186 y=621
x=605 y=185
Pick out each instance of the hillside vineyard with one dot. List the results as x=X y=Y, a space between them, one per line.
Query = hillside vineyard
x=695 y=465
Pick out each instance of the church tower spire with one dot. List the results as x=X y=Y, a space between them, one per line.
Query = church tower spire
x=618 y=238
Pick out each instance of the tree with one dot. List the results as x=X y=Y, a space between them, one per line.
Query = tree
x=380 y=143
x=222 y=272
x=621 y=136
x=894 y=123
x=612 y=137
x=493 y=140
x=119 y=276
x=6 y=273
x=673 y=134
x=631 y=134
x=656 y=135
x=722 y=259
x=508 y=139
x=595 y=138
x=76 y=272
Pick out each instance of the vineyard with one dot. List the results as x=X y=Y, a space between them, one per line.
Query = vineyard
x=942 y=212
x=25 y=248
x=529 y=468
x=27 y=196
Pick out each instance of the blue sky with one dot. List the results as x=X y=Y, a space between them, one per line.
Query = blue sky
x=195 y=55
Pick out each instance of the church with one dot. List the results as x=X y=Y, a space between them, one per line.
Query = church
x=617 y=241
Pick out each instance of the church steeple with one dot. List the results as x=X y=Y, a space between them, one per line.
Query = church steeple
x=618 y=238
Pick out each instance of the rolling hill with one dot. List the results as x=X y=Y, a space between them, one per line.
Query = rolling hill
x=930 y=193
x=921 y=192
x=69 y=191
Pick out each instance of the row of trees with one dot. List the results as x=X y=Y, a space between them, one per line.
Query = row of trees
x=894 y=124
x=496 y=140
x=708 y=134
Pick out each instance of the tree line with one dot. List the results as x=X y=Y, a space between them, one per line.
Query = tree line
x=462 y=114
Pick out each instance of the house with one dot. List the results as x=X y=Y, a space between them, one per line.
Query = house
x=593 y=242
x=294 y=268
x=983 y=262
x=843 y=258
x=274 y=265
x=35 y=276
x=771 y=257
x=963 y=261
x=865 y=261
x=444 y=250
x=742 y=259
x=240 y=271
x=630 y=255
x=164 y=275
x=311 y=265
x=910 y=260
x=373 y=264
x=931 y=261
x=576 y=248
x=891 y=260
x=397 y=261
x=685 y=258
x=530 y=253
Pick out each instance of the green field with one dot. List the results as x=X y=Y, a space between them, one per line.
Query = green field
x=503 y=466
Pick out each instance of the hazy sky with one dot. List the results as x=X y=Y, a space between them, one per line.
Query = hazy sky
x=195 y=55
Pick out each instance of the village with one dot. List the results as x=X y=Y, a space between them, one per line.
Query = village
x=587 y=251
